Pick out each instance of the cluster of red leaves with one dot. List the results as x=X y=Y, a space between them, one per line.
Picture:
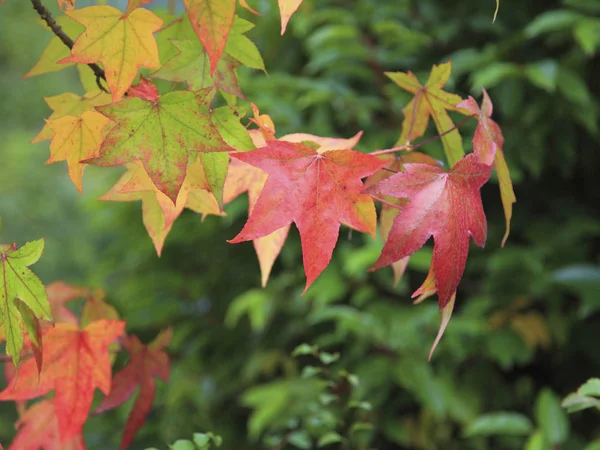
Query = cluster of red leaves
x=77 y=359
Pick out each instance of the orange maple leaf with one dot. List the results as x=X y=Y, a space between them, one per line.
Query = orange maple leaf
x=60 y=293
x=67 y=5
x=38 y=429
x=430 y=101
x=212 y=21
x=147 y=362
x=76 y=361
x=122 y=44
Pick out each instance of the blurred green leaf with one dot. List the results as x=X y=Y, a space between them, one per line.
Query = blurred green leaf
x=551 y=418
x=499 y=424
x=550 y=21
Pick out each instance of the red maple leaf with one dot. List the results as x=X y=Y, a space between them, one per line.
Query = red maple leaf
x=317 y=191
x=60 y=293
x=76 y=361
x=445 y=205
x=147 y=361
x=487 y=144
x=38 y=429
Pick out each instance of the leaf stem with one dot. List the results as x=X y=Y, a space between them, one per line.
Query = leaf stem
x=59 y=32
x=385 y=202
x=422 y=143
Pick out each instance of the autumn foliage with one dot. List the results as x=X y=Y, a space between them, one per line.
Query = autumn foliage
x=163 y=101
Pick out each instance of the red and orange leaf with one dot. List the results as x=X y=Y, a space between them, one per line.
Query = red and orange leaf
x=60 y=293
x=122 y=44
x=38 y=430
x=212 y=21
x=66 y=5
x=76 y=139
x=163 y=135
x=145 y=89
x=487 y=144
x=430 y=101
x=76 y=361
x=147 y=362
x=286 y=9
x=316 y=191
x=391 y=206
x=241 y=178
x=445 y=205
x=69 y=104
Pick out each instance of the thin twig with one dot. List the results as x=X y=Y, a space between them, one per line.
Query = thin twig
x=391 y=150
x=58 y=31
x=169 y=25
x=439 y=136
x=422 y=143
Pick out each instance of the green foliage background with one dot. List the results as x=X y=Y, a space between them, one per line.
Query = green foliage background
x=526 y=327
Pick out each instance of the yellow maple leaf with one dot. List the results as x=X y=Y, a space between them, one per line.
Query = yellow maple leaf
x=69 y=104
x=76 y=139
x=158 y=211
x=122 y=44
x=430 y=101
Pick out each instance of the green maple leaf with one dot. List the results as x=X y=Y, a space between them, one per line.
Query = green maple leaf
x=192 y=66
x=166 y=134
x=22 y=295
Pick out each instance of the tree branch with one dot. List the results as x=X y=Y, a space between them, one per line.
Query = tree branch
x=58 y=31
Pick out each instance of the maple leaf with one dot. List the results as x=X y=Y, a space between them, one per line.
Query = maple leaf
x=22 y=296
x=147 y=362
x=96 y=308
x=66 y=4
x=487 y=144
x=158 y=211
x=241 y=48
x=122 y=44
x=60 y=293
x=69 y=104
x=445 y=205
x=241 y=178
x=162 y=134
x=145 y=89
x=212 y=21
x=56 y=50
x=76 y=139
x=76 y=361
x=286 y=9
x=317 y=191
x=430 y=101
x=391 y=207
x=191 y=65
x=38 y=429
